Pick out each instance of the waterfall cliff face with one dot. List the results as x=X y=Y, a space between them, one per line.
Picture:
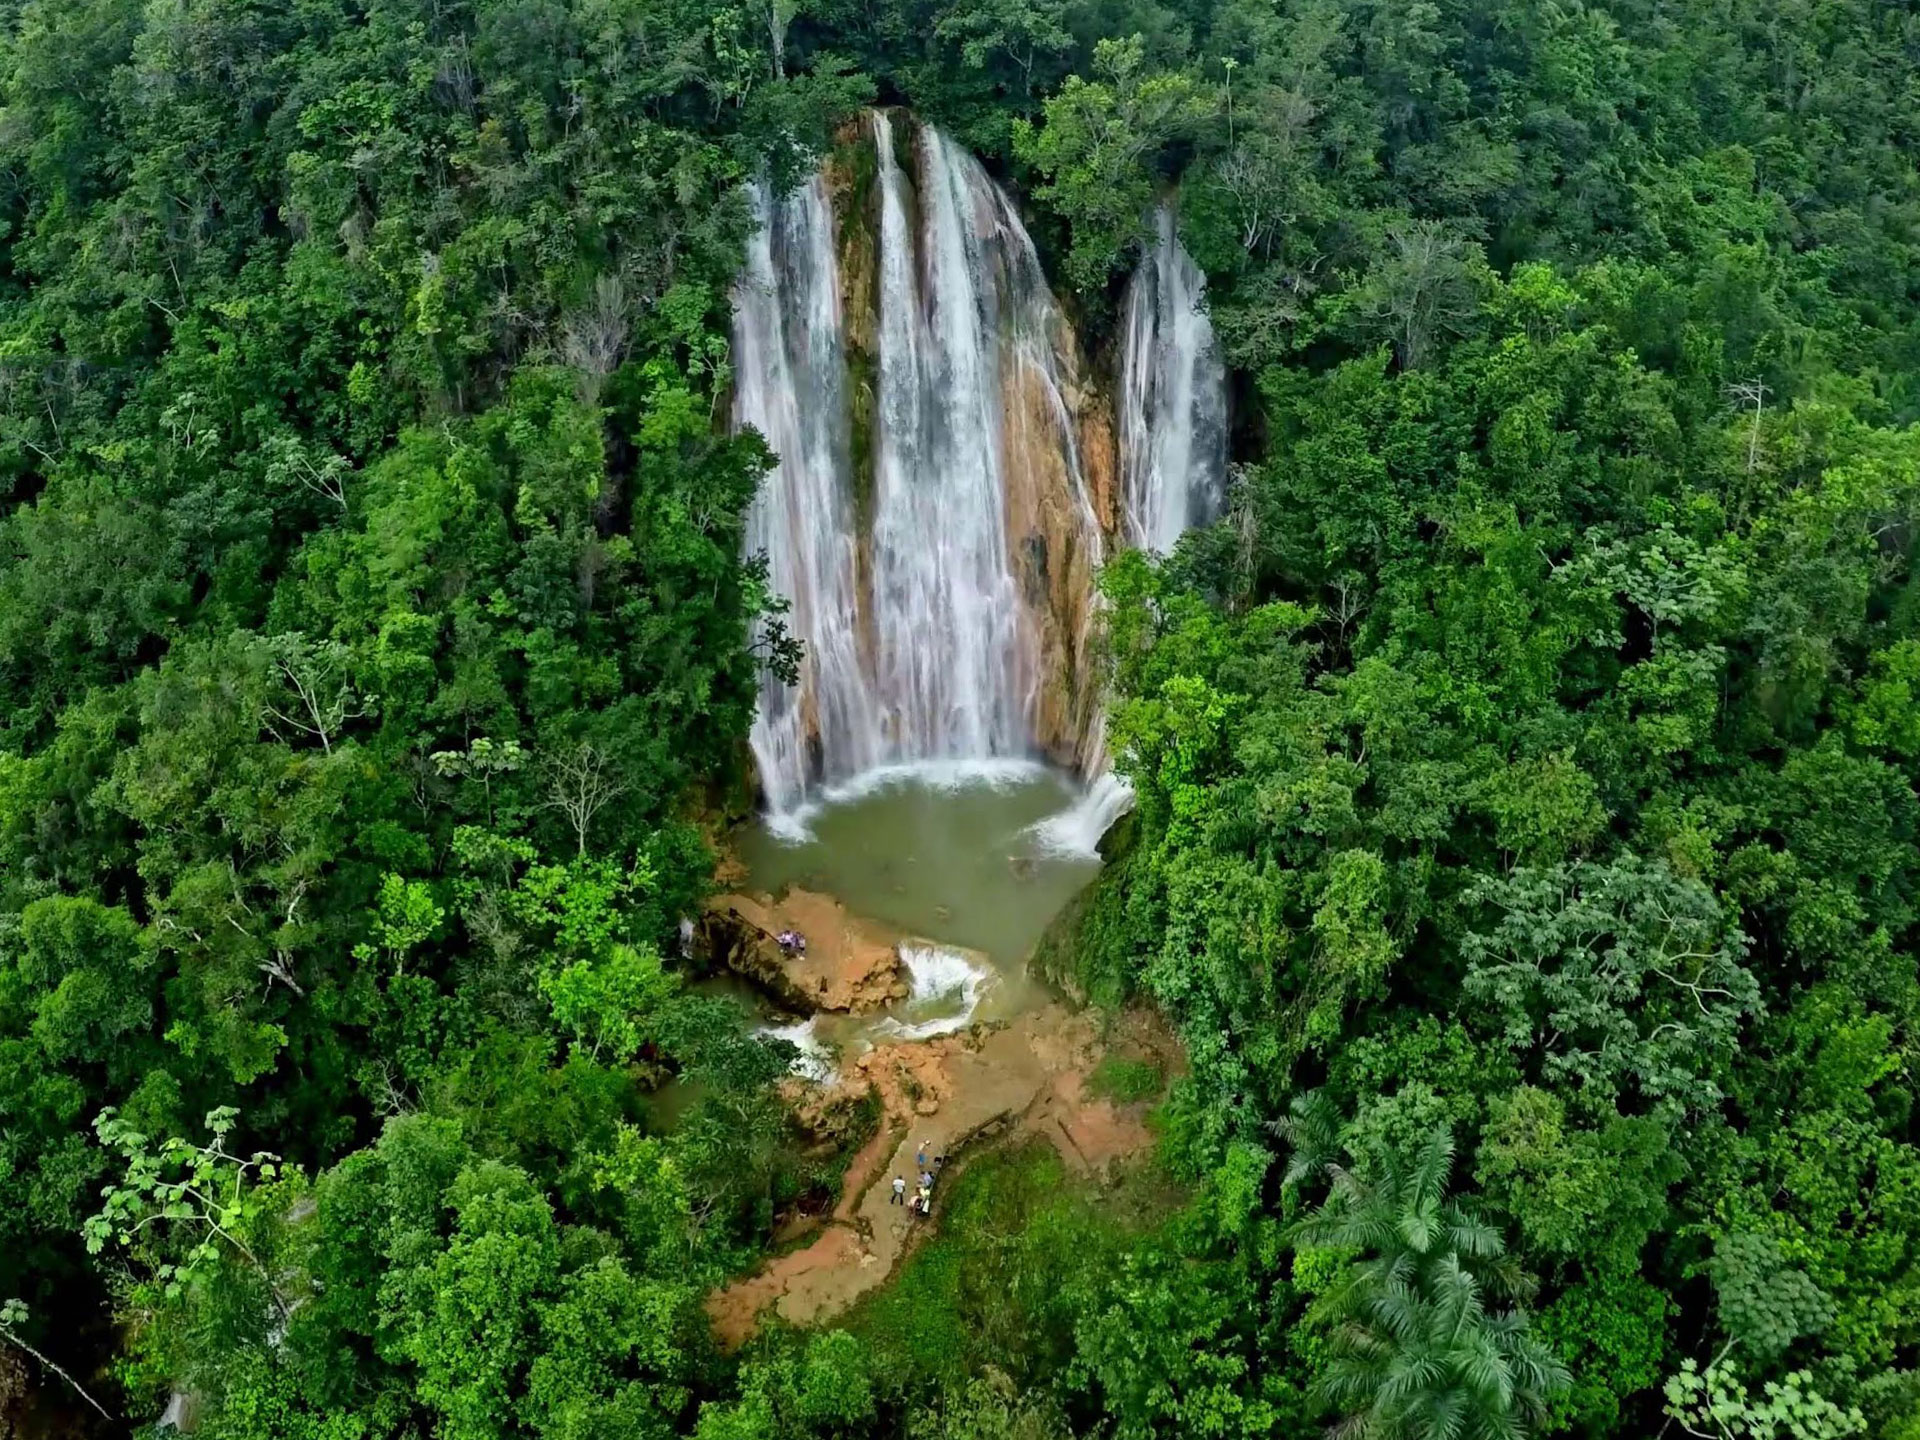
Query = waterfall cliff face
x=930 y=519
x=1173 y=399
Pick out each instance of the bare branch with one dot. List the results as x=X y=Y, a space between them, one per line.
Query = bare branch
x=580 y=784
x=316 y=674
x=12 y=1313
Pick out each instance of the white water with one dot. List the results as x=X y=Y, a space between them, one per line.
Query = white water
x=790 y=385
x=1173 y=464
x=934 y=654
x=815 y=1060
x=1173 y=399
x=1077 y=831
x=943 y=981
x=946 y=609
x=796 y=825
x=945 y=986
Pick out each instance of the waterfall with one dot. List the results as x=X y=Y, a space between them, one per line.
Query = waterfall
x=1077 y=831
x=1173 y=464
x=815 y=1060
x=949 y=622
x=1173 y=399
x=940 y=570
x=944 y=981
x=946 y=610
x=790 y=384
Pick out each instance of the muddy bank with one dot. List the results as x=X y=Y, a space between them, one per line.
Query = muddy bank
x=1031 y=1075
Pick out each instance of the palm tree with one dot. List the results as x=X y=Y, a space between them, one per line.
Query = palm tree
x=1416 y=1352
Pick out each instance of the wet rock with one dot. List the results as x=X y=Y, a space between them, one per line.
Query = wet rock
x=1055 y=544
x=851 y=964
x=732 y=941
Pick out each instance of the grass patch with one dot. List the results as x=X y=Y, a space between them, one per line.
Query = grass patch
x=1126 y=1081
x=1018 y=1236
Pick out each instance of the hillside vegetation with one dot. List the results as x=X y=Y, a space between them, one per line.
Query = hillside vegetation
x=1526 y=844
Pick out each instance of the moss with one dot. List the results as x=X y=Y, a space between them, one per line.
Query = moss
x=863 y=382
x=854 y=179
x=855 y=171
x=1127 y=1080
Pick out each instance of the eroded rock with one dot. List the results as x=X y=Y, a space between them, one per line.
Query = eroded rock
x=850 y=964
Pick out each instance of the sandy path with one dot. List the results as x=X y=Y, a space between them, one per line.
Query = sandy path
x=942 y=1093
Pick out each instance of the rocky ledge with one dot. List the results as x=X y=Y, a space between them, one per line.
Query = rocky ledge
x=851 y=964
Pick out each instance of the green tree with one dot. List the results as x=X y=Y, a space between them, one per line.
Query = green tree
x=1415 y=1350
x=1022 y=32
x=1097 y=148
x=1623 y=979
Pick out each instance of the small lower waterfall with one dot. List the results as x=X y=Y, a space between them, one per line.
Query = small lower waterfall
x=1173 y=399
x=945 y=986
x=940 y=567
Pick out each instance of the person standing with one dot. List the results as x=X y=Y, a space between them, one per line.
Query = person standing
x=920 y=1157
x=899 y=1190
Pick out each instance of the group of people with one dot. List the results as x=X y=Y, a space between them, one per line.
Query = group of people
x=791 y=943
x=922 y=1201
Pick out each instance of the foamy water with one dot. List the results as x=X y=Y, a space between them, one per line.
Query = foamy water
x=795 y=826
x=946 y=987
x=815 y=1060
x=1077 y=831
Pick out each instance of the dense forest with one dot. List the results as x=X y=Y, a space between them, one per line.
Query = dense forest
x=1526 y=843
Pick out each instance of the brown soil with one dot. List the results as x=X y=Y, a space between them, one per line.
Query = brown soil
x=1030 y=1075
x=850 y=963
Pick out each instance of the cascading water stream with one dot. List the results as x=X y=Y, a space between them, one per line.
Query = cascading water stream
x=1173 y=461
x=790 y=384
x=939 y=634
x=940 y=581
x=947 y=617
x=1173 y=399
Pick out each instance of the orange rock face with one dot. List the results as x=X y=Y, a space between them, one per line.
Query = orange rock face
x=1054 y=544
x=1099 y=462
x=851 y=964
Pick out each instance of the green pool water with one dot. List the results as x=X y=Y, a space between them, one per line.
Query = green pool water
x=951 y=857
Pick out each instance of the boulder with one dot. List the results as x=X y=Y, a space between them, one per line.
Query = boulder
x=851 y=964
